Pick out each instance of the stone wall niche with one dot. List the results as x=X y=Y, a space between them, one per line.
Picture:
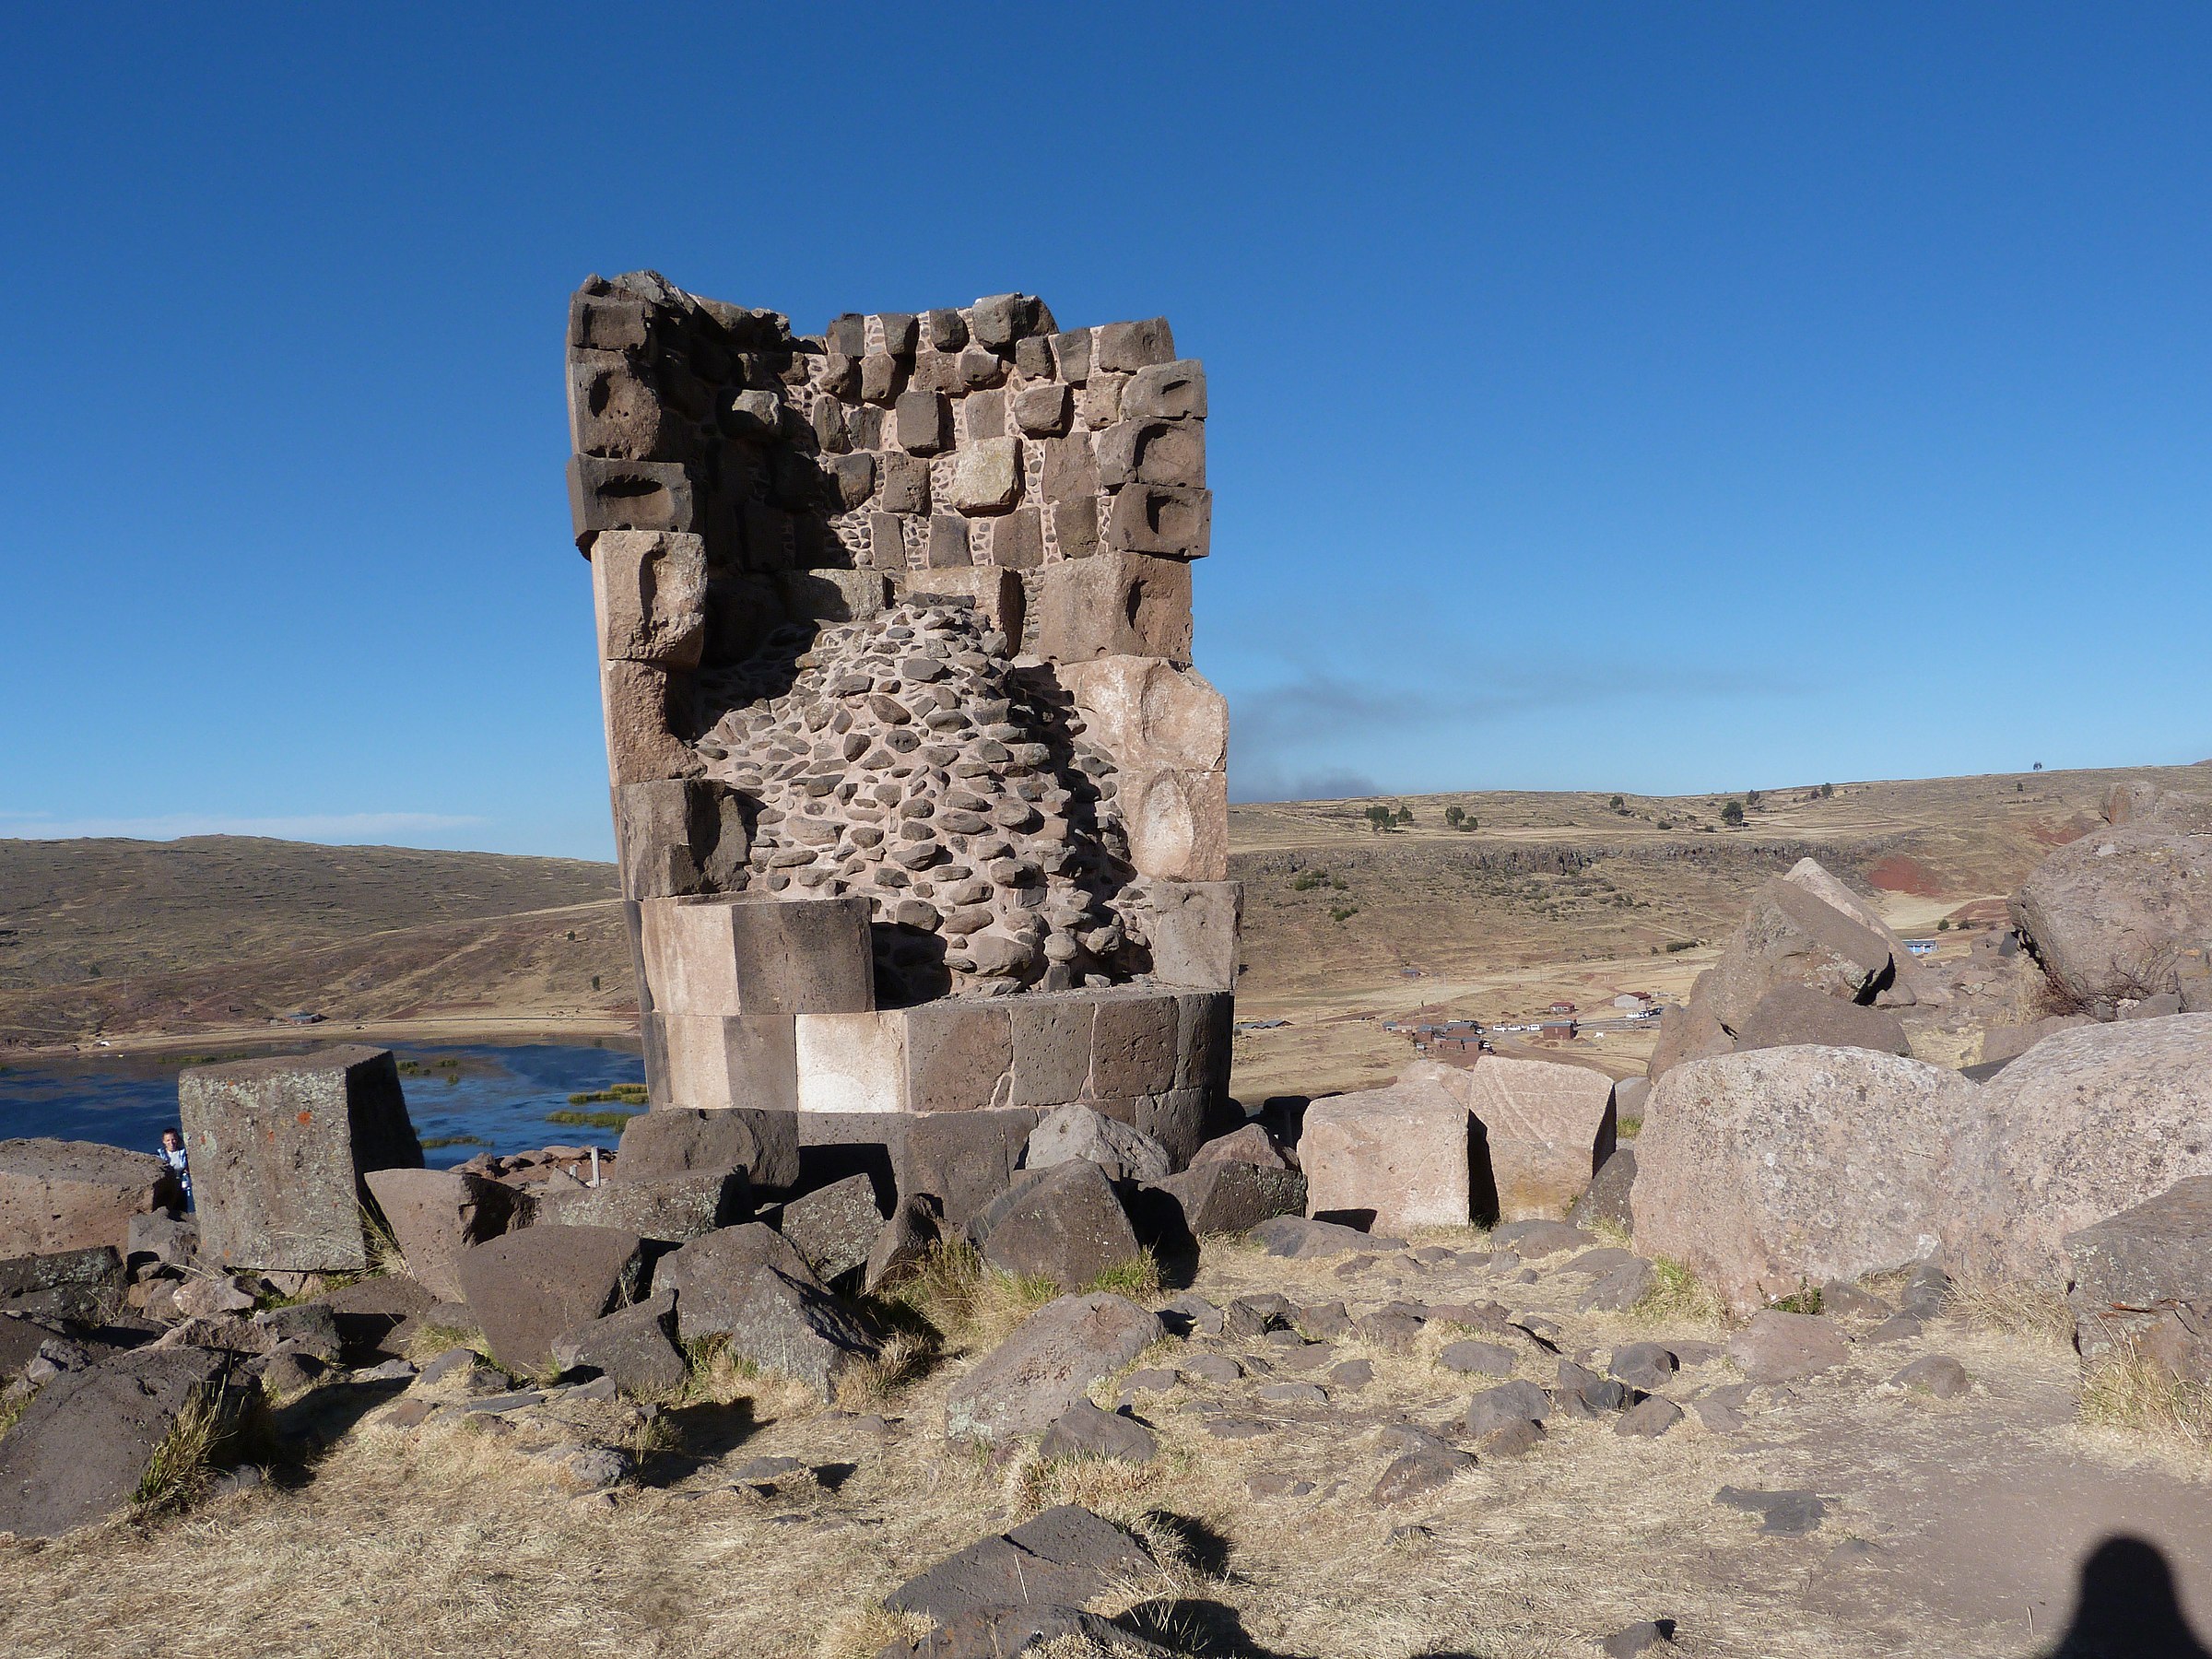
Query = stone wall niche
x=920 y=804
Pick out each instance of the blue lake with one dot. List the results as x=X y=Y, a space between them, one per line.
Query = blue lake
x=487 y=1098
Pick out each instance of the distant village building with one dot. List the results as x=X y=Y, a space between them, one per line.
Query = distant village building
x=1556 y=1031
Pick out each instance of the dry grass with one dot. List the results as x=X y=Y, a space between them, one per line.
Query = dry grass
x=2127 y=1390
x=179 y=1469
x=970 y=1305
x=2027 y=1313
x=874 y=1384
x=1678 y=1296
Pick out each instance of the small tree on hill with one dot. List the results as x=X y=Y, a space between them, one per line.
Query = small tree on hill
x=1379 y=818
x=1733 y=814
x=1455 y=817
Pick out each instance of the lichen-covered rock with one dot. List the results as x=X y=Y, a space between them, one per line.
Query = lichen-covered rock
x=1063 y=1224
x=1026 y=1384
x=1769 y=1170
x=2109 y=915
x=58 y=1194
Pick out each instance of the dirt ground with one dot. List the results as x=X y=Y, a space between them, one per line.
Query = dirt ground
x=1951 y=1528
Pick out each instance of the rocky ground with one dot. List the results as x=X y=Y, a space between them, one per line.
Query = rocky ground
x=1316 y=1488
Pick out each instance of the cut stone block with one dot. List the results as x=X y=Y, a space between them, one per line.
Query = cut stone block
x=985 y=477
x=963 y=1160
x=528 y=1288
x=676 y=1141
x=996 y=595
x=58 y=1195
x=632 y=1347
x=1074 y=1131
x=667 y=1209
x=716 y=1062
x=1173 y=391
x=1388 y=1158
x=1126 y=346
x=1112 y=604
x=1194 y=927
x=1227 y=1195
x=615 y=411
x=646 y=708
x=678 y=836
x=649 y=590
x=1168 y=452
x=921 y=423
x=951 y=1056
x=731 y=956
x=1548 y=1128
x=1161 y=519
x=279 y=1148
x=1177 y=823
x=1135 y=1043
x=1052 y=1032
x=607 y=494
x=1149 y=714
x=434 y=1214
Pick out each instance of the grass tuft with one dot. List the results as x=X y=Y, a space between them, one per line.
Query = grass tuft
x=1677 y=1293
x=2128 y=1390
x=1136 y=1279
x=179 y=1468
x=903 y=1356
x=2032 y=1312
x=968 y=1303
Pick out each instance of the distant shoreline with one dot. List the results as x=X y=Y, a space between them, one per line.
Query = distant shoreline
x=452 y=1027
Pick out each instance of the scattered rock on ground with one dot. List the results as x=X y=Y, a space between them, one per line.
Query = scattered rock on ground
x=1030 y=1380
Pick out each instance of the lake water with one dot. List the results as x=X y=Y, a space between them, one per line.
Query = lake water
x=483 y=1098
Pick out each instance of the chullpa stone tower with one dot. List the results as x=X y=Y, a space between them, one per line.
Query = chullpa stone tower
x=920 y=805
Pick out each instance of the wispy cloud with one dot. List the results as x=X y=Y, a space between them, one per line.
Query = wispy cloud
x=1322 y=734
x=343 y=829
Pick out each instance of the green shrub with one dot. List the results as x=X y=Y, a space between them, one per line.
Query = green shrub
x=589 y=1120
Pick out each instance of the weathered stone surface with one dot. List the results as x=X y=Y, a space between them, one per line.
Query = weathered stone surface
x=2109 y=915
x=2131 y=1269
x=793 y=1328
x=1391 y=1158
x=434 y=1214
x=834 y=1226
x=1230 y=1196
x=985 y=477
x=1605 y=1203
x=77 y=1455
x=1547 y=1127
x=1649 y=1419
x=1128 y=347
x=668 y=1208
x=721 y=1061
x=675 y=1141
x=1420 y=1471
x=159 y=1237
x=921 y=423
x=1112 y=604
x=1781 y=1348
x=279 y=1148
x=1166 y=392
x=2083 y=1125
x=1797 y=1016
x=1026 y=1384
x=1301 y=1237
x=1062 y=1558
x=1160 y=519
x=679 y=835
x=1194 y=928
x=1937 y=1374
x=1251 y=1144
x=1768 y=1171
x=711 y=1275
x=1083 y=1430
x=1062 y=1223
x=1688 y=1032
x=646 y=706
x=1149 y=713
x=901 y=1242
x=1177 y=822
x=1790 y=935
x=528 y=1288
x=58 y=1194
x=631 y=1347
x=649 y=589
x=1077 y=1130
x=1516 y=1402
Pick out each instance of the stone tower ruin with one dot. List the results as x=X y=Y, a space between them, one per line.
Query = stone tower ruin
x=920 y=805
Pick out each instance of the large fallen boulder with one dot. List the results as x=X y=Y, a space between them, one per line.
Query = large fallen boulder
x=2108 y=916
x=279 y=1148
x=84 y=1445
x=1792 y=936
x=528 y=1288
x=1764 y=1173
x=1064 y=1223
x=1023 y=1386
x=58 y=1195
x=1392 y=1157
x=1230 y=1196
x=2085 y=1125
x=794 y=1328
x=1800 y=1017
x=711 y=1275
x=1074 y=1131
x=434 y=1214
x=2144 y=1277
x=1547 y=1127
x=1061 y=1558
x=668 y=1208
x=633 y=1347
x=834 y=1226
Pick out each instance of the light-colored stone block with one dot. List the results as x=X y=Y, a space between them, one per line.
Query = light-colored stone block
x=852 y=1062
x=710 y=1060
x=649 y=590
x=1150 y=713
x=1548 y=1126
x=996 y=595
x=742 y=955
x=1177 y=822
x=1193 y=932
x=644 y=706
x=1111 y=604
x=985 y=477
x=1389 y=1159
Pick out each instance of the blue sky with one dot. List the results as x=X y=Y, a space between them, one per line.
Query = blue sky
x=1655 y=398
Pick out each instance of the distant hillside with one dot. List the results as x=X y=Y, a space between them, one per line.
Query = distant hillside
x=215 y=931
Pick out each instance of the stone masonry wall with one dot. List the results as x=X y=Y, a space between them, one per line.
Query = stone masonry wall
x=901 y=615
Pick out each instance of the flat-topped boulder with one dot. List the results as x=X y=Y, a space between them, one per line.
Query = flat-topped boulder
x=1389 y=1159
x=1026 y=1384
x=280 y=1148
x=59 y=1195
x=2109 y=916
x=1547 y=1127
x=527 y=1288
